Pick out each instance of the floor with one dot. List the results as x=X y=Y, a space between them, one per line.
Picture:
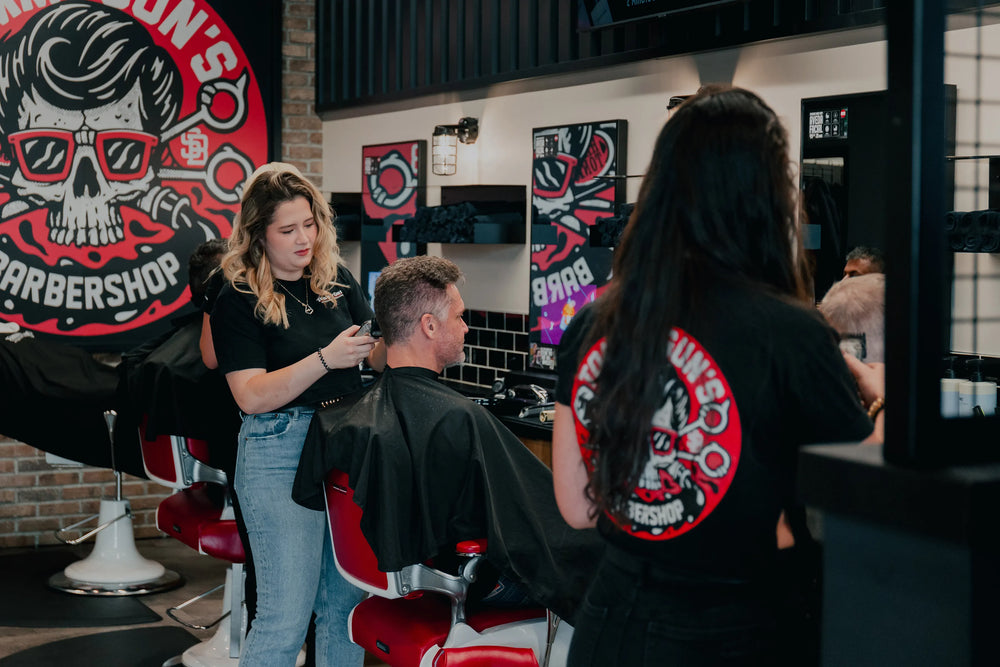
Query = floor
x=200 y=574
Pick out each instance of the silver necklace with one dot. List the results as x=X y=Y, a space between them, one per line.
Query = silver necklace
x=305 y=306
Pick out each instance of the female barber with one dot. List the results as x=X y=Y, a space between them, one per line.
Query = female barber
x=684 y=393
x=284 y=333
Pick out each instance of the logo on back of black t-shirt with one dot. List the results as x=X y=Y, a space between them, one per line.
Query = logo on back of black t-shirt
x=694 y=440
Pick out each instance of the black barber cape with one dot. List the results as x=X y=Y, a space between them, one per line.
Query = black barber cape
x=167 y=382
x=430 y=468
x=53 y=398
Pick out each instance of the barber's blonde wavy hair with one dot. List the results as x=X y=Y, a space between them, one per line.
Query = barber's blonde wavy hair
x=246 y=265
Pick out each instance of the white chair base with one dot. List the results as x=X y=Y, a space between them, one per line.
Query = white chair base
x=214 y=652
x=115 y=567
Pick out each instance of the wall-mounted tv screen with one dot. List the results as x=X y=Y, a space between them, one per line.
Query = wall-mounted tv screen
x=604 y=13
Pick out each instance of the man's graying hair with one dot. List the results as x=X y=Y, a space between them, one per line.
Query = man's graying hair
x=856 y=306
x=407 y=289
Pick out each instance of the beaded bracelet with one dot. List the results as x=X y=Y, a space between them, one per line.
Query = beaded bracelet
x=876 y=407
x=319 y=353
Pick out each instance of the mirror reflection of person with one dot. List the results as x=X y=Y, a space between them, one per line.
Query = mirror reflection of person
x=856 y=309
x=862 y=260
x=714 y=378
x=284 y=333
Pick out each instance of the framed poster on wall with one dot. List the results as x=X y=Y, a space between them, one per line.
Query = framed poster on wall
x=392 y=187
x=577 y=178
x=118 y=160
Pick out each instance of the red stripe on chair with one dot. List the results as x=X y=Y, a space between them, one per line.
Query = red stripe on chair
x=471 y=547
x=198 y=449
x=220 y=539
x=158 y=457
x=400 y=631
x=183 y=514
x=486 y=656
x=353 y=552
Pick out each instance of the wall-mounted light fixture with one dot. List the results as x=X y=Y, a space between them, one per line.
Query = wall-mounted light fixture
x=444 y=144
x=675 y=101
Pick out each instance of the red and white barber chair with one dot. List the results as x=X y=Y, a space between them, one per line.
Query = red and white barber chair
x=203 y=519
x=416 y=617
x=114 y=567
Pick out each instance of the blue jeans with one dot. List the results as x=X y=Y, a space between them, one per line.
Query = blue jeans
x=296 y=574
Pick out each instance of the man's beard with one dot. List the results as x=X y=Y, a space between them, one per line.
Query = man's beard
x=458 y=361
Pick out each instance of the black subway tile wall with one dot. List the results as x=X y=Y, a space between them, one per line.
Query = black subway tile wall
x=497 y=343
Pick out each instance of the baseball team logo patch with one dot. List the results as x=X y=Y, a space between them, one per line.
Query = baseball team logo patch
x=127 y=130
x=694 y=442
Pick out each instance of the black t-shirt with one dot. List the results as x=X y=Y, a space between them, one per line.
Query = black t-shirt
x=243 y=341
x=753 y=378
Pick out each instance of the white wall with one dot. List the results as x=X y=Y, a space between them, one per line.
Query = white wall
x=782 y=72
x=976 y=294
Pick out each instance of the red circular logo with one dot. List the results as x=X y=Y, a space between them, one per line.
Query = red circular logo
x=128 y=130
x=694 y=440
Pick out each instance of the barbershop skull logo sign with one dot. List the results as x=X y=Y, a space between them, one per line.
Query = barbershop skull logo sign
x=575 y=182
x=694 y=440
x=120 y=130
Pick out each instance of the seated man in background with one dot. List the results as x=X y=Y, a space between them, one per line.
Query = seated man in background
x=166 y=380
x=856 y=309
x=863 y=260
x=429 y=467
x=206 y=281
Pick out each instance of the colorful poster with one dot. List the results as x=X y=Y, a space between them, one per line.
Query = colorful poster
x=392 y=188
x=126 y=137
x=575 y=181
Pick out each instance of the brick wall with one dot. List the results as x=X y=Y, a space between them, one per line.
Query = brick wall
x=301 y=127
x=37 y=498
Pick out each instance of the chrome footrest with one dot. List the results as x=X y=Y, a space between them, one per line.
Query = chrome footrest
x=172 y=611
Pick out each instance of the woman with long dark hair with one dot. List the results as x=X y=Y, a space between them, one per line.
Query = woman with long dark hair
x=685 y=391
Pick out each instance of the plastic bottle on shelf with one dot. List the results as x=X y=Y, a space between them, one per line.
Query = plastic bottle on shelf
x=966 y=395
x=983 y=389
x=949 y=389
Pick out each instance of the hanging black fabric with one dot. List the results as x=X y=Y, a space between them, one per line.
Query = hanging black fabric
x=54 y=398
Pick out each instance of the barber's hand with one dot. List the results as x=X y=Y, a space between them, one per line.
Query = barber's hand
x=870 y=378
x=348 y=350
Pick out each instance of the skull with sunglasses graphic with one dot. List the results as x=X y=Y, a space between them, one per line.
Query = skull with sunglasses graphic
x=83 y=164
x=81 y=112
